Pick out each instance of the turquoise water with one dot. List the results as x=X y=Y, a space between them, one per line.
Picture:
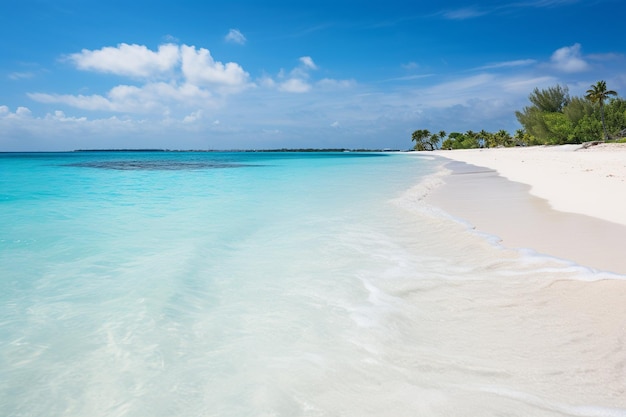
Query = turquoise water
x=265 y=284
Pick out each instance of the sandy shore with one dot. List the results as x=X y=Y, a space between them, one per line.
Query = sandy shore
x=564 y=201
x=587 y=181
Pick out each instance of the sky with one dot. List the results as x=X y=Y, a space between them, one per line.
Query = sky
x=84 y=74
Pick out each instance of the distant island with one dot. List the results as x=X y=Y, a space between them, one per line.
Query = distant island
x=120 y=150
x=243 y=150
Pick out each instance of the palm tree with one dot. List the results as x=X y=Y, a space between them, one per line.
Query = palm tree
x=474 y=138
x=421 y=139
x=436 y=138
x=597 y=94
x=485 y=138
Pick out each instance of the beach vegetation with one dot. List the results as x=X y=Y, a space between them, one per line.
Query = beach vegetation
x=457 y=140
x=532 y=120
x=550 y=100
x=560 y=128
x=538 y=120
x=426 y=141
x=577 y=108
x=555 y=118
x=598 y=93
x=485 y=139
x=500 y=139
x=587 y=129
x=552 y=118
x=523 y=138
x=615 y=117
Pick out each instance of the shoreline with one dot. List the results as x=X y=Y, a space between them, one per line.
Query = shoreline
x=585 y=181
x=558 y=201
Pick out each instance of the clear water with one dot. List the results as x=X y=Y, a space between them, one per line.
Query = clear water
x=277 y=284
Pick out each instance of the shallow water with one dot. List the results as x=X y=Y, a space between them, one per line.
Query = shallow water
x=262 y=284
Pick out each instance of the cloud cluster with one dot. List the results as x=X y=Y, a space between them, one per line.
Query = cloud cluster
x=199 y=68
x=20 y=113
x=190 y=78
x=298 y=79
x=128 y=60
x=194 y=65
x=174 y=76
x=177 y=91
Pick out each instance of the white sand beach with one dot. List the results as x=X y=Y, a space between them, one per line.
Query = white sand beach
x=588 y=181
x=567 y=203
x=579 y=209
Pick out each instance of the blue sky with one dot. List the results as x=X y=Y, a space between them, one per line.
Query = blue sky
x=77 y=74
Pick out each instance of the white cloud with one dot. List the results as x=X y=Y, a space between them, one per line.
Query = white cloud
x=569 y=59
x=60 y=116
x=297 y=79
x=128 y=60
x=194 y=79
x=294 y=85
x=191 y=94
x=199 y=68
x=509 y=64
x=483 y=88
x=235 y=36
x=193 y=117
x=267 y=82
x=459 y=90
x=20 y=113
x=94 y=102
x=151 y=97
x=307 y=61
x=127 y=98
x=524 y=85
x=358 y=115
x=23 y=112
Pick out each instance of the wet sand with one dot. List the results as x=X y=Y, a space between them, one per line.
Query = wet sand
x=557 y=201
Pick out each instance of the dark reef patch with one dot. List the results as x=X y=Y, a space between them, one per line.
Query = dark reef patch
x=162 y=165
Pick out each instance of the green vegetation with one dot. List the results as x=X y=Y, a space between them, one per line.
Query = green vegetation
x=552 y=118
x=597 y=94
x=425 y=141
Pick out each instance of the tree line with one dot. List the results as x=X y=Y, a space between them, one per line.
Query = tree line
x=552 y=118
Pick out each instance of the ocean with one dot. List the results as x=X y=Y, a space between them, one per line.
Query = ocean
x=281 y=284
